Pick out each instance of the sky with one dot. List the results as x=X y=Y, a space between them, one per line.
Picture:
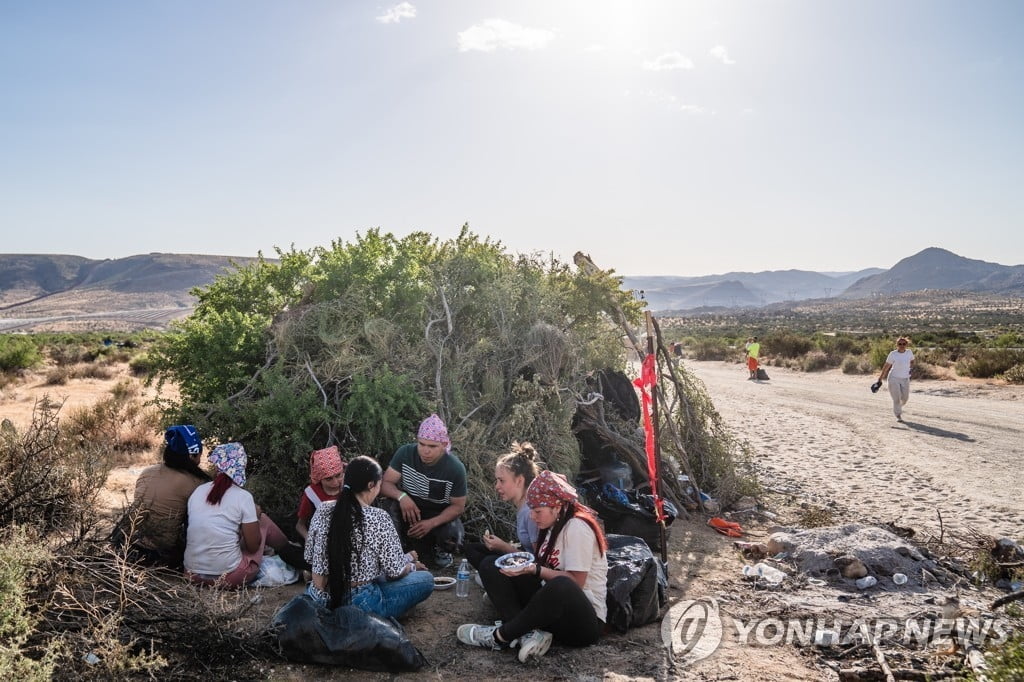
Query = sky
x=662 y=138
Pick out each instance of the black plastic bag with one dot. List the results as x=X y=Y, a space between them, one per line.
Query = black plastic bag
x=348 y=636
x=636 y=583
x=628 y=512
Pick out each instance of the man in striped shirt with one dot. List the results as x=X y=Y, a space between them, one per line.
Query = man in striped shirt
x=428 y=484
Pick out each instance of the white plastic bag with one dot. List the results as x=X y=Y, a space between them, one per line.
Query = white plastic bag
x=274 y=572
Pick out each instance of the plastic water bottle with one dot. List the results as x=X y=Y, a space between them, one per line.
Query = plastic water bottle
x=772 y=575
x=866 y=582
x=899 y=578
x=462 y=579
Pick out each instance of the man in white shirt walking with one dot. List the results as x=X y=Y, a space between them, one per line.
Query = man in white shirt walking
x=897 y=370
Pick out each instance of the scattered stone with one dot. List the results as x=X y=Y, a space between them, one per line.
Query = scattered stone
x=745 y=503
x=851 y=567
x=779 y=543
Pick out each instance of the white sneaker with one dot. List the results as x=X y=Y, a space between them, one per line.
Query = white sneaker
x=478 y=635
x=534 y=644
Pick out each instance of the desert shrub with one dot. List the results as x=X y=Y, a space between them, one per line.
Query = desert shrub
x=1009 y=340
x=142 y=364
x=59 y=375
x=787 y=345
x=1015 y=375
x=986 y=363
x=924 y=370
x=933 y=356
x=856 y=364
x=49 y=478
x=93 y=371
x=122 y=422
x=814 y=361
x=18 y=352
x=21 y=558
x=711 y=349
x=840 y=346
x=1005 y=662
x=880 y=349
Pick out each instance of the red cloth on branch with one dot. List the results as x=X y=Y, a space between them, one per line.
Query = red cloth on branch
x=648 y=379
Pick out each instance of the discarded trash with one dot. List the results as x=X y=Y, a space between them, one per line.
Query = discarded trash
x=771 y=575
x=825 y=637
x=91 y=658
x=730 y=528
x=817 y=582
x=866 y=582
x=899 y=578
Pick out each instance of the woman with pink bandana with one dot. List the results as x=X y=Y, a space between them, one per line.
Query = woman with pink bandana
x=560 y=596
x=326 y=475
x=428 y=485
x=226 y=530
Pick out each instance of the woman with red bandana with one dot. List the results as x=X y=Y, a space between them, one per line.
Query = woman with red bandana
x=560 y=596
x=326 y=474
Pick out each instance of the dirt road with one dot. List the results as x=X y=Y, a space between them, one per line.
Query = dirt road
x=827 y=437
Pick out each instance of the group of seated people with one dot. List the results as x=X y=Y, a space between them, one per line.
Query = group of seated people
x=354 y=549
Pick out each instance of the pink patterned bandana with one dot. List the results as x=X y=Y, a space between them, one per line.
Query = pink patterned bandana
x=230 y=459
x=434 y=429
x=325 y=463
x=549 y=490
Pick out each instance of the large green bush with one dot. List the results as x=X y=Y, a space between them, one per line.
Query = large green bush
x=356 y=343
x=18 y=352
x=786 y=345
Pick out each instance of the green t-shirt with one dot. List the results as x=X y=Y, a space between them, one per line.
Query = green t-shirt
x=753 y=349
x=431 y=487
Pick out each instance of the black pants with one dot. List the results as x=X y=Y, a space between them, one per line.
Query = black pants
x=447 y=537
x=526 y=603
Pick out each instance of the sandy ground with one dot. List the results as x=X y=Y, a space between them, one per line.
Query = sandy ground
x=826 y=436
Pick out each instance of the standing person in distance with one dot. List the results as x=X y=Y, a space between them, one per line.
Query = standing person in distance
x=562 y=595
x=896 y=369
x=428 y=485
x=355 y=553
x=753 y=349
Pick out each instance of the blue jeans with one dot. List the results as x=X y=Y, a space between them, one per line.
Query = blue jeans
x=393 y=598
x=388 y=598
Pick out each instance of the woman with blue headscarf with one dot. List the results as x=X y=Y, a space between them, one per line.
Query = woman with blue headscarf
x=161 y=499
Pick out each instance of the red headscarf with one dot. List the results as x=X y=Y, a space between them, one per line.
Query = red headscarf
x=549 y=490
x=325 y=463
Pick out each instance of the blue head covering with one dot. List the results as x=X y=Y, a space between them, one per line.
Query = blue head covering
x=183 y=439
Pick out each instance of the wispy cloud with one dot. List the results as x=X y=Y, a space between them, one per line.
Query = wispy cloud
x=668 y=62
x=720 y=53
x=498 y=33
x=403 y=10
x=672 y=102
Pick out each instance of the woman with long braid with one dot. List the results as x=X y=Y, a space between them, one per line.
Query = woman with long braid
x=356 y=555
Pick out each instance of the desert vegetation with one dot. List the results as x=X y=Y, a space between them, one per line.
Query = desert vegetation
x=981 y=345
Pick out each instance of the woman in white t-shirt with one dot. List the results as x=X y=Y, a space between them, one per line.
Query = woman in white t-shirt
x=226 y=531
x=896 y=369
x=562 y=595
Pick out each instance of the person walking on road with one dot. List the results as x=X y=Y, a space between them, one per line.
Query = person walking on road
x=897 y=369
x=753 y=349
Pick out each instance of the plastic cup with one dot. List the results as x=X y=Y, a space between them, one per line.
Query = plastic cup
x=899 y=579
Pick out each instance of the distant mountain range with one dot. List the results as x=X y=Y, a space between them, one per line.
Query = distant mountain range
x=148 y=290
x=138 y=291
x=932 y=268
